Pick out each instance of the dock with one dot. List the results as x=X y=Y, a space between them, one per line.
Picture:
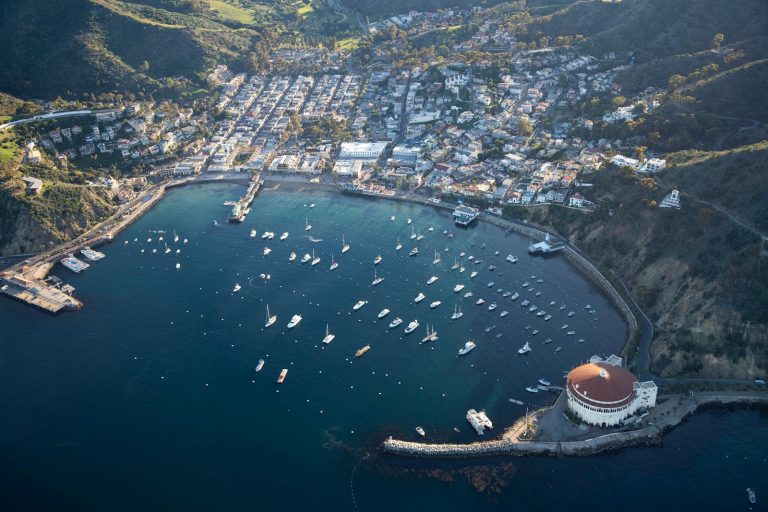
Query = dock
x=241 y=207
x=464 y=215
x=546 y=246
x=25 y=287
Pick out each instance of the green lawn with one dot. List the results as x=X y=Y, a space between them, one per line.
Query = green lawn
x=305 y=10
x=233 y=12
x=9 y=150
x=348 y=43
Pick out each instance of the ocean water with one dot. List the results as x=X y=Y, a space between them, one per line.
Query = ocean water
x=148 y=399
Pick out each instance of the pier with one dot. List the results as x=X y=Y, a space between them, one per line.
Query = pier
x=241 y=207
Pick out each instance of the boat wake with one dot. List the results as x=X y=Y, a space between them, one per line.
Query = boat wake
x=314 y=240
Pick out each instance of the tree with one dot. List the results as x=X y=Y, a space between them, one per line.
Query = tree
x=640 y=152
x=144 y=66
x=676 y=81
x=717 y=41
x=619 y=101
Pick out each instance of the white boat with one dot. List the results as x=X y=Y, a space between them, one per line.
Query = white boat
x=473 y=274
x=456 y=313
x=260 y=365
x=503 y=313
x=506 y=294
x=558 y=349
x=265 y=235
x=186 y=241
x=420 y=297
x=571 y=313
x=419 y=236
x=435 y=304
x=394 y=323
x=376 y=278
x=306 y=257
x=490 y=284
x=384 y=312
x=307 y=225
x=467 y=348
x=455 y=264
x=167 y=249
x=525 y=348
x=437 y=259
x=419 y=430
x=492 y=306
x=315 y=260
x=160 y=239
x=399 y=245
x=408 y=221
x=328 y=336
x=392 y=218
x=411 y=326
x=532 y=389
x=511 y=258
x=525 y=303
x=432 y=279
x=295 y=319
x=546 y=318
x=526 y=284
x=544 y=382
x=312 y=205
x=413 y=234
x=491 y=267
x=480 y=301
x=92 y=255
x=284 y=235
x=344 y=245
x=515 y=296
x=431 y=336
x=461 y=270
x=571 y=333
x=532 y=309
x=236 y=288
x=359 y=304
x=178 y=266
x=267 y=250
x=377 y=260
x=175 y=236
x=458 y=288
x=271 y=319
x=414 y=251
x=479 y=421
x=751 y=496
x=535 y=332
x=541 y=313
x=468 y=295
x=292 y=256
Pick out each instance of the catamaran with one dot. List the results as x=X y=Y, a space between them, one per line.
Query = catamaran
x=271 y=319
x=328 y=336
x=295 y=319
x=411 y=326
x=344 y=245
x=456 y=313
x=467 y=348
x=432 y=279
x=334 y=265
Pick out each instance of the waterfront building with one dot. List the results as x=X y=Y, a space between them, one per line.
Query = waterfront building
x=362 y=150
x=602 y=392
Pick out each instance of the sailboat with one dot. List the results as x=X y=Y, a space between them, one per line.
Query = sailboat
x=420 y=236
x=456 y=313
x=455 y=264
x=334 y=265
x=167 y=249
x=399 y=245
x=413 y=234
x=437 y=259
x=344 y=245
x=315 y=260
x=307 y=225
x=270 y=319
x=376 y=278
x=175 y=236
x=431 y=335
x=328 y=336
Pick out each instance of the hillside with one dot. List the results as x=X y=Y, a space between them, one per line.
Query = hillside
x=698 y=275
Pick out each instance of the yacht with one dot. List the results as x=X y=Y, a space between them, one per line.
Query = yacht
x=328 y=336
x=359 y=304
x=295 y=319
x=564 y=326
x=751 y=497
x=306 y=258
x=535 y=332
x=515 y=296
x=376 y=278
x=526 y=284
x=525 y=303
x=399 y=245
x=344 y=245
x=571 y=313
x=312 y=205
x=377 y=260
x=420 y=297
x=292 y=256
x=283 y=373
x=548 y=341
x=558 y=349
x=420 y=431
x=532 y=309
x=260 y=365
x=503 y=313
x=511 y=259
x=307 y=225
x=413 y=234
x=265 y=235
x=435 y=304
x=571 y=333
x=462 y=254
x=480 y=301
x=541 y=312
x=334 y=265
x=236 y=288
x=437 y=259
x=506 y=294
x=284 y=235
x=271 y=319
x=467 y=348
x=525 y=349
x=562 y=307
x=456 y=313
x=547 y=317
x=384 y=312
x=394 y=323
x=315 y=260
x=253 y=233
x=455 y=264
x=468 y=295
x=431 y=336
x=458 y=288
x=432 y=279
x=490 y=284
x=470 y=258
x=411 y=327
x=414 y=251
x=446 y=248
x=461 y=270
x=532 y=389
x=492 y=306
x=473 y=274
x=552 y=303
x=267 y=250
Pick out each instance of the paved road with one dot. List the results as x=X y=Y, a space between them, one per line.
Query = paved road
x=52 y=115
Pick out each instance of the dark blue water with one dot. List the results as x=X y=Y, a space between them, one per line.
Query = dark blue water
x=148 y=399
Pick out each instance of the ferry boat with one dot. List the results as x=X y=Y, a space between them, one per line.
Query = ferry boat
x=307 y=225
x=431 y=336
x=464 y=215
x=306 y=257
x=544 y=382
x=376 y=278
x=344 y=245
x=328 y=336
x=253 y=233
x=456 y=313
x=359 y=304
x=525 y=349
x=260 y=365
x=91 y=254
x=411 y=326
x=414 y=251
x=420 y=297
x=295 y=319
x=480 y=301
x=334 y=265
x=362 y=351
x=420 y=431
x=515 y=296
x=377 y=260
x=271 y=319
x=479 y=421
x=511 y=259
x=74 y=264
x=236 y=288
x=315 y=260
x=458 y=288
x=435 y=304
x=532 y=389
x=467 y=348
x=283 y=373
x=292 y=256
x=394 y=323
x=384 y=312
x=432 y=279
x=284 y=236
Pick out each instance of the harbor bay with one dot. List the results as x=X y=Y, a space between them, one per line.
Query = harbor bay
x=163 y=358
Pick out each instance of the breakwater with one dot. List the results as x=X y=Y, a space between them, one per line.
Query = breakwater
x=676 y=411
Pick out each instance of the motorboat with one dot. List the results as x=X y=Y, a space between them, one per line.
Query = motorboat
x=473 y=274
x=377 y=260
x=503 y=313
x=480 y=301
x=432 y=279
x=284 y=236
x=435 y=304
x=359 y=304
x=237 y=288
x=420 y=431
x=468 y=295
x=467 y=348
x=260 y=365
x=384 y=312
x=394 y=323
x=411 y=326
x=458 y=288
x=295 y=319
x=253 y=233
x=420 y=297
x=307 y=257
x=490 y=284
x=525 y=349
x=414 y=251
x=492 y=307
